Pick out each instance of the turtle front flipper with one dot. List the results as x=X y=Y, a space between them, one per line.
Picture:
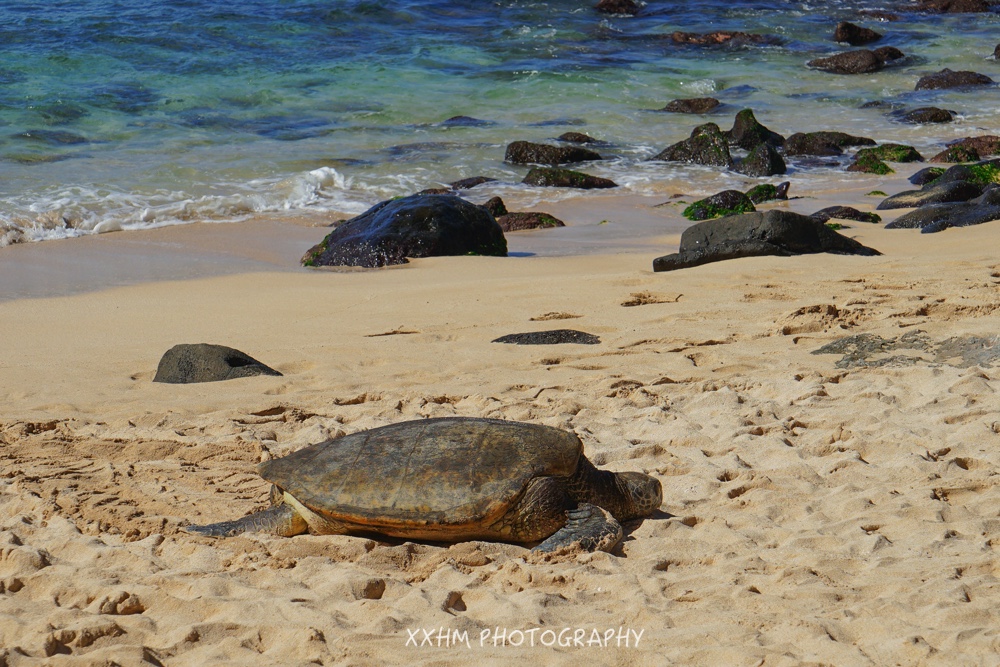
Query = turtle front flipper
x=281 y=520
x=588 y=526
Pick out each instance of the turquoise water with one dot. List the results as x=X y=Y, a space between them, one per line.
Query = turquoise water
x=133 y=114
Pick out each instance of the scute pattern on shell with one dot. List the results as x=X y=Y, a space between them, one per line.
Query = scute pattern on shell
x=440 y=472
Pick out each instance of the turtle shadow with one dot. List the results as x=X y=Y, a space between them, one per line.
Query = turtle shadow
x=630 y=526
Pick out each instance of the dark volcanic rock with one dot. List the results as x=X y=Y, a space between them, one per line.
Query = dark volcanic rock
x=728 y=37
x=888 y=53
x=516 y=222
x=845 y=213
x=926 y=115
x=554 y=337
x=986 y=145
x=526 y=152
x=946 y=78
x=415 y=226
x=880 y=15
x=862 y=61
x=747 y=132
x=955 y=6
x=936 y=217
x=759 y=194
x=869 y=163
x=699 y=105
x=578 y=138
x=984 y=173
x=466 y=121
x=566 y=178
x=854 y=35
x=933 y=193
x=823 y=143
x=956 y=153
x=775 y=232
x=620 y=7
x=808 y=144
x=496 y=207
x=727 y=202
x=925 y=176
x=873 y=160
x=202 y=362
x=707 y=145
x=763 y=160
x=469 y=183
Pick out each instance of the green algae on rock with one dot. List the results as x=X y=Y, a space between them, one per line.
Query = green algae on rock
x=727 y=202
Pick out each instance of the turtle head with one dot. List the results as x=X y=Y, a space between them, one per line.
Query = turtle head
x=642 y=493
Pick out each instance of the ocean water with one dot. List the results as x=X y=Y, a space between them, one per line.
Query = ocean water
x=124 y=114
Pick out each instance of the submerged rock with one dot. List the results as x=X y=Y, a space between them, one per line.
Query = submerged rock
x=526 y=152
x=728 y=37
x=578 y=138
x=854 y=35
x=203 y=362
x=693 y=105
x=618 y=7
x=775 y=232
x=823 y=143
x=956 y=6
x=414 y=226
x=926 y=115
x=466 y=121
x=946 y=78
x=555 y=177
x=469 y=183
x=851 y=62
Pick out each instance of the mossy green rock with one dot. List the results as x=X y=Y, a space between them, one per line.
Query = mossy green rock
x=728 y=202
x=894 y=153
x=759 y=194
x=414 y=226
x=955 y=154
x=869 y=163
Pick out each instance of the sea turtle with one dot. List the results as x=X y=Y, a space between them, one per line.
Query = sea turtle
x=450 y=479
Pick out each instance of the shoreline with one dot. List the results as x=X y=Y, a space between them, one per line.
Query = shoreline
x=603 y=224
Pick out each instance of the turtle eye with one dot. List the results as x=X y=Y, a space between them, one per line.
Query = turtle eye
x=645 y=492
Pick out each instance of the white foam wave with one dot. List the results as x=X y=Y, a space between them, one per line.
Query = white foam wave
x=96 y=210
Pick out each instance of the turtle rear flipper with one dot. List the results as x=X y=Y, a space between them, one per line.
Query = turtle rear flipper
x=281 y=520
x=589 y=526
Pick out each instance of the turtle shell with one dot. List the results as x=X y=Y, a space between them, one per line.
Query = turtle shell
x=430 y=472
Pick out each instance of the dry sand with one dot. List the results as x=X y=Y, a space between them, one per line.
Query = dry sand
x=813 y=513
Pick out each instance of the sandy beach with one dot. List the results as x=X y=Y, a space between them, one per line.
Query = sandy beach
x=818 y=508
